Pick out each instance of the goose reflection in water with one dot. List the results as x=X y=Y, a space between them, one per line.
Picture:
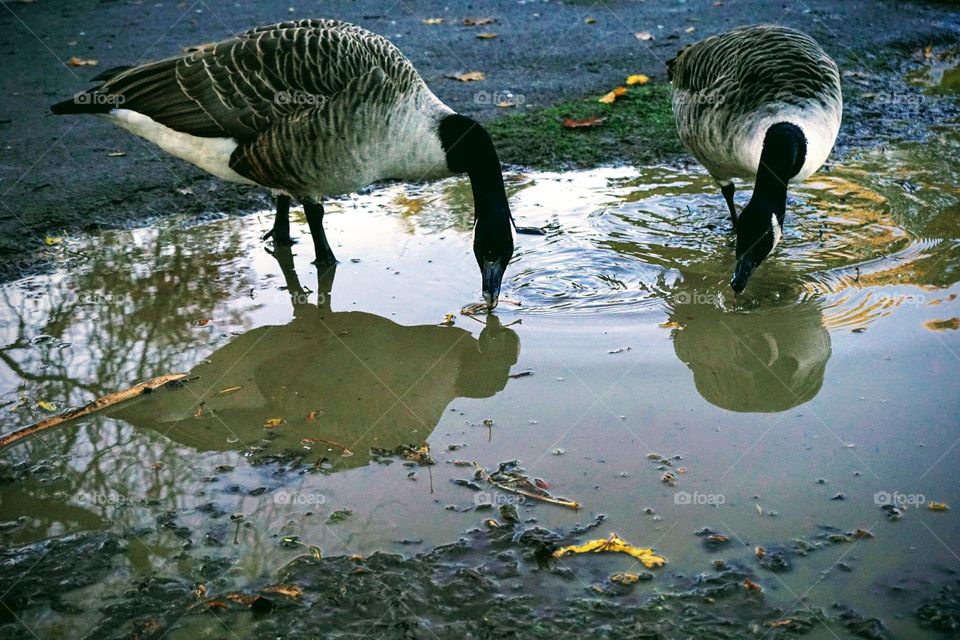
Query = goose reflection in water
x=366 y=381
x=763 y=360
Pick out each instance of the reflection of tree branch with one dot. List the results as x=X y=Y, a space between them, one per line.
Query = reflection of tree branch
x=25 y=375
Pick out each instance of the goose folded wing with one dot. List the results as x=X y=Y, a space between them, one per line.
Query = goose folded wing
x=242 y=87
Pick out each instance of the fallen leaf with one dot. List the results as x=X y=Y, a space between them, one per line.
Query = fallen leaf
x=937 y=506
x=411 y=206
x=52 y=240
x=690 y=29
x=503 y=104
x=312 y=416
x=473 y=22
x=942 y=325
x=619 y=91
x=273 y=423
x=637 y=78
x=491 y=523
x=786 y=622
x=608 y=98
x=202 y=322
x=590 y=20
x=199 y=412
x=615 y=544
x=470 y=76
x=216 y=604
x=432 y=21
x=289 y=590
x=750 y=585
x=448 y=320
x=643 y=35
x=487 y=35
x=572 y=123
x=116 y=154
x=81 y=62
x=49 y=407
x=625 y=577
x=228 y=391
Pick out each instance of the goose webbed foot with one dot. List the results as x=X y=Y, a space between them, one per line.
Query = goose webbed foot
x=314 y=212
x=728 y=190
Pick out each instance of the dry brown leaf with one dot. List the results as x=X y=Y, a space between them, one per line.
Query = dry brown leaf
x=202 y=322
x=228 y=390
x=572 y=123
x=937 y=506
x=475 y=22
x=82 y=62
x=750 y=585
x=312 y=416
x=470 y=76
x=625 y=577
x=289 y=590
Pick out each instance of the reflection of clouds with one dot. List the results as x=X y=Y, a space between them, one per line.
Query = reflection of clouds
x=369 y=381
x=767 y=360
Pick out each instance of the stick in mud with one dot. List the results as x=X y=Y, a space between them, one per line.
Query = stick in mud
x=91 y=407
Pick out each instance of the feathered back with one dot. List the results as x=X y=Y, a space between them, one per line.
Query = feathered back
x=243 y=86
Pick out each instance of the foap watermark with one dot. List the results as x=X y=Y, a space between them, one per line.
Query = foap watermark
x=100 y=499
x=299 y=498
x=696 y=297
x=499 y=98
x=899 y=97
x=493 y=499
x=902 y=299
x=699 y=97
x=298 y=99
x=696 y=498
x=897 y=499
x=83 y=97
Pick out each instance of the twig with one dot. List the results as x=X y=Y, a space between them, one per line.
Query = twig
x=562 y=502
x=91 y=407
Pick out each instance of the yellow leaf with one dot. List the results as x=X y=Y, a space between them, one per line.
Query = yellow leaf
x=638 y=78
x=609 y=98
x=52 y=240
x=470 y=76
x=615 y=544
x=81 y=62
x=619 y=91
x=937 y=506
x=49 y=407
x=272 y=423
x=625 y=577
x=487 y=35
x=431 y=21
x=411 y=206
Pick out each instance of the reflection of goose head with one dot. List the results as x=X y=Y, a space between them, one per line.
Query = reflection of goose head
x=765 y=360
x=368 y=381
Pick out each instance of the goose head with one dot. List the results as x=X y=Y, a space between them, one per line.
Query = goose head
x=760 y=225
x=470 y=150
x=759 y=229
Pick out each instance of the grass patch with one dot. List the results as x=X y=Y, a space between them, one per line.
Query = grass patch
x=638 y=129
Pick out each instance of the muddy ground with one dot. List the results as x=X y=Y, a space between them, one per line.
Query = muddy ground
x=57 y=175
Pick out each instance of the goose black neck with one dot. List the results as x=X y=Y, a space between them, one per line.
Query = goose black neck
x=470 y=150
x=783 y=155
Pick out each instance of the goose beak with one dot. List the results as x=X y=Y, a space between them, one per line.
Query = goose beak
x=492 y=272
x=742 y=273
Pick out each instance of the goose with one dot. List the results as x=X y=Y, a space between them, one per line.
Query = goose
x=760 y=102
x=308 y=109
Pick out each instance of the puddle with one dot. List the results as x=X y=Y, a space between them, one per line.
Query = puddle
x=834 y=374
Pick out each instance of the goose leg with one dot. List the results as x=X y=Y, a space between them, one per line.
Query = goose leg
x=281 y=223
x=314 y=211
x=727 y=191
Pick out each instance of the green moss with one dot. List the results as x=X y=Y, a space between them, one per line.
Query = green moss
x=638 y=128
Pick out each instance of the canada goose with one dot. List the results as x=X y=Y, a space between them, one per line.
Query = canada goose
x=309 y=109
x=757 y=102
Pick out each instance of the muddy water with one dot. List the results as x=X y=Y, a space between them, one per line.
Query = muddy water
x=833 y=376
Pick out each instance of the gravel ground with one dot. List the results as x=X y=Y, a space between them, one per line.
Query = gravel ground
x=56 y=175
